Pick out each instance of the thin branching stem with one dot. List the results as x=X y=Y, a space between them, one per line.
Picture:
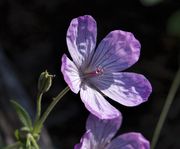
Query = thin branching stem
x=39 y=123
x=38 y=108
x=33 y=141
x=167 y=105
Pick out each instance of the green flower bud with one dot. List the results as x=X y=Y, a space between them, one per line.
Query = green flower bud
x=44 y=82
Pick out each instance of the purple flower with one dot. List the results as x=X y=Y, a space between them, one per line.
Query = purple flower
x=99 y=135
x=96 y=72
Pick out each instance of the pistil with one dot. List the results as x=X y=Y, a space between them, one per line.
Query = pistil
x=97 y=72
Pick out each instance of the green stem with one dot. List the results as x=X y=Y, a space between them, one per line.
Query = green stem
x=165 y=109
x=38 y=108
x=34 y=143
x=39 y=123
x=13 y=146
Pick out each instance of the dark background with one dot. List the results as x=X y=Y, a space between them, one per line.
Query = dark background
x=33 y=39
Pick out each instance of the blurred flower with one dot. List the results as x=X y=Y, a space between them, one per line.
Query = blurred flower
x=96 y=72
x=99 y=134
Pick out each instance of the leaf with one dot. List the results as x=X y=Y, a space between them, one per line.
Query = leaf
x=16 y=133
x=173 y=25
x=22 y=114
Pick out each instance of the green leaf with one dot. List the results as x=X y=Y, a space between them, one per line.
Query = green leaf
x=16 y=133
x=22 y=114
x=173 y=25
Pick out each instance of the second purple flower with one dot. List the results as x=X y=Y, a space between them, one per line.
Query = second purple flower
x=95 y=72
x=100 y=135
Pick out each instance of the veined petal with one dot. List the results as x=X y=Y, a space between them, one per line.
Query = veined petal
x=97 y=104
x=116 y=52
x=71 y=74
x=87 y=142
x=129 y=89
x=103 y=130
x=81 y=39
x=130 y=140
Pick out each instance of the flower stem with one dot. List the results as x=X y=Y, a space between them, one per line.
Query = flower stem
x=166 y=108
x=33 y=141
x=13 y=146
x=38 y=108
x=39 y=124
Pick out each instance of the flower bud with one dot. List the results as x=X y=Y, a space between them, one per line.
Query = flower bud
x=44 y=82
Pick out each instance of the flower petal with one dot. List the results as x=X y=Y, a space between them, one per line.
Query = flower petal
x=116 y=52
x=97 y=104
x=130 y=140
x=71 y=74
x=81 y=39
x=87 y=142
x=99 y=132
x=103 y=130
x=129 y=89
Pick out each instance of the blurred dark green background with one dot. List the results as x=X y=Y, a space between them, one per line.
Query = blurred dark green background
x=33 y=39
